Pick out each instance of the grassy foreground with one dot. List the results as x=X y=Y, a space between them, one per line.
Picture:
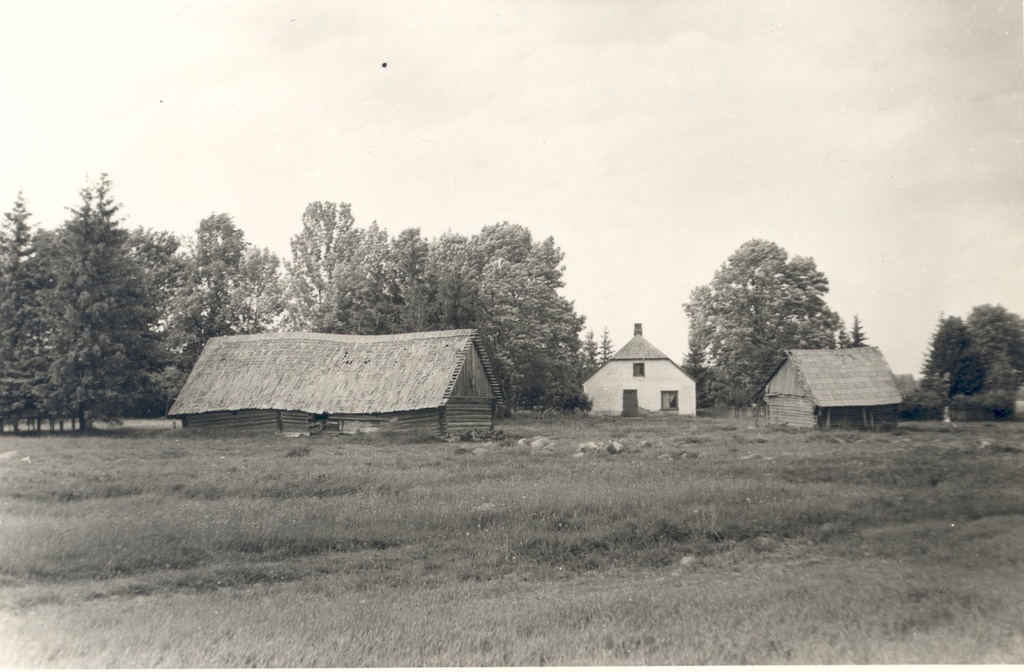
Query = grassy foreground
x=702 y=542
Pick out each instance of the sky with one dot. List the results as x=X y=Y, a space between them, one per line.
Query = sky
x=884 y=139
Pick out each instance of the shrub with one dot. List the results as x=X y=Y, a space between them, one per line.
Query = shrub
x=993 y=405
x=922 y=405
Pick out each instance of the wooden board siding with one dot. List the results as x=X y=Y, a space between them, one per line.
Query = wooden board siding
x=790 y=411
x=786 y=381
x=263 y=420
x=464 y=414
x=472 y=380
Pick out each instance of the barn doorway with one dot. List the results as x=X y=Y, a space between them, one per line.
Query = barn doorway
x=630 y=405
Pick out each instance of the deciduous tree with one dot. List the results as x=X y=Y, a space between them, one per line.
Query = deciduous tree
x=532 y=331
x=759 y=304
x=230 y=287
x=328 y=237
x=997 y=339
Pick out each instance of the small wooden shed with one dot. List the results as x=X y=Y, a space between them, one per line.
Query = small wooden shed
x=639 y=378
x=847 y=388
x=439 y=381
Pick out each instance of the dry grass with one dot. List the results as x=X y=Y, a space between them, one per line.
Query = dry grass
x=706 y=541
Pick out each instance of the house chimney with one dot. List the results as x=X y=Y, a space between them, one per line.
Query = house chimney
x=638 y=329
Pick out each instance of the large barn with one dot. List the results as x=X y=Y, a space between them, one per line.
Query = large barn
x=847 y=388
x=438 y=381
x=639 y=378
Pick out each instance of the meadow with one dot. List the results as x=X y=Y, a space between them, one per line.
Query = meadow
x=691 y=541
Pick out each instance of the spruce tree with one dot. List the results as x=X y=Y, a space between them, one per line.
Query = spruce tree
x=18 y=316
x=589 y=355
x=606 y=349
x=952 y=367
x=695 y=365
x=100 y=315
x=857 y=337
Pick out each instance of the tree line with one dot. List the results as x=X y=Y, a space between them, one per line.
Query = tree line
x=974 y=365
x=100 y=322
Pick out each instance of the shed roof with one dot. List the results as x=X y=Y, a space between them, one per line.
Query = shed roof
x=329 y=373
x=845 y=377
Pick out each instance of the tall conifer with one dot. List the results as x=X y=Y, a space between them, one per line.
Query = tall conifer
x=100 y=315
x=18 y=315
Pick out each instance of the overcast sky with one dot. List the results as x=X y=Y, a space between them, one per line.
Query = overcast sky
x=651 y=139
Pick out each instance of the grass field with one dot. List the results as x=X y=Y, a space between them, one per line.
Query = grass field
x=702 y=542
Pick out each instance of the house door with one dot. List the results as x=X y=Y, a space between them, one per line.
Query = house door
x=630 y=405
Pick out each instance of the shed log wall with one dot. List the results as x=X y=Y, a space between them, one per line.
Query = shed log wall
x=790 y=411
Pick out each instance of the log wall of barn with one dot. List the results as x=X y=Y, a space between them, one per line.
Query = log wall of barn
x=790 y=411
x=294 y=422
x=464 y=414
x=421 y=420
x=264 y=420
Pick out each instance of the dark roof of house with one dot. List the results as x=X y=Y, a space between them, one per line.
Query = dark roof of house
x=845 y=377
x=639 y=348
x=329 y=373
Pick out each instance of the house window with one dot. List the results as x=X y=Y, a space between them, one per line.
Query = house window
x=638 y=370
x=670 y=401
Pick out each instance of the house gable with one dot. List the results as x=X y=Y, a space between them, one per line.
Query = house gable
x=605 y=387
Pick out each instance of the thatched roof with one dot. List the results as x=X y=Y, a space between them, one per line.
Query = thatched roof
x=639 y=348
x=845 y=377
x=328 y=373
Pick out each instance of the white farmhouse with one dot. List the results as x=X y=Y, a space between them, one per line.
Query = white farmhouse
x=639 y=378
